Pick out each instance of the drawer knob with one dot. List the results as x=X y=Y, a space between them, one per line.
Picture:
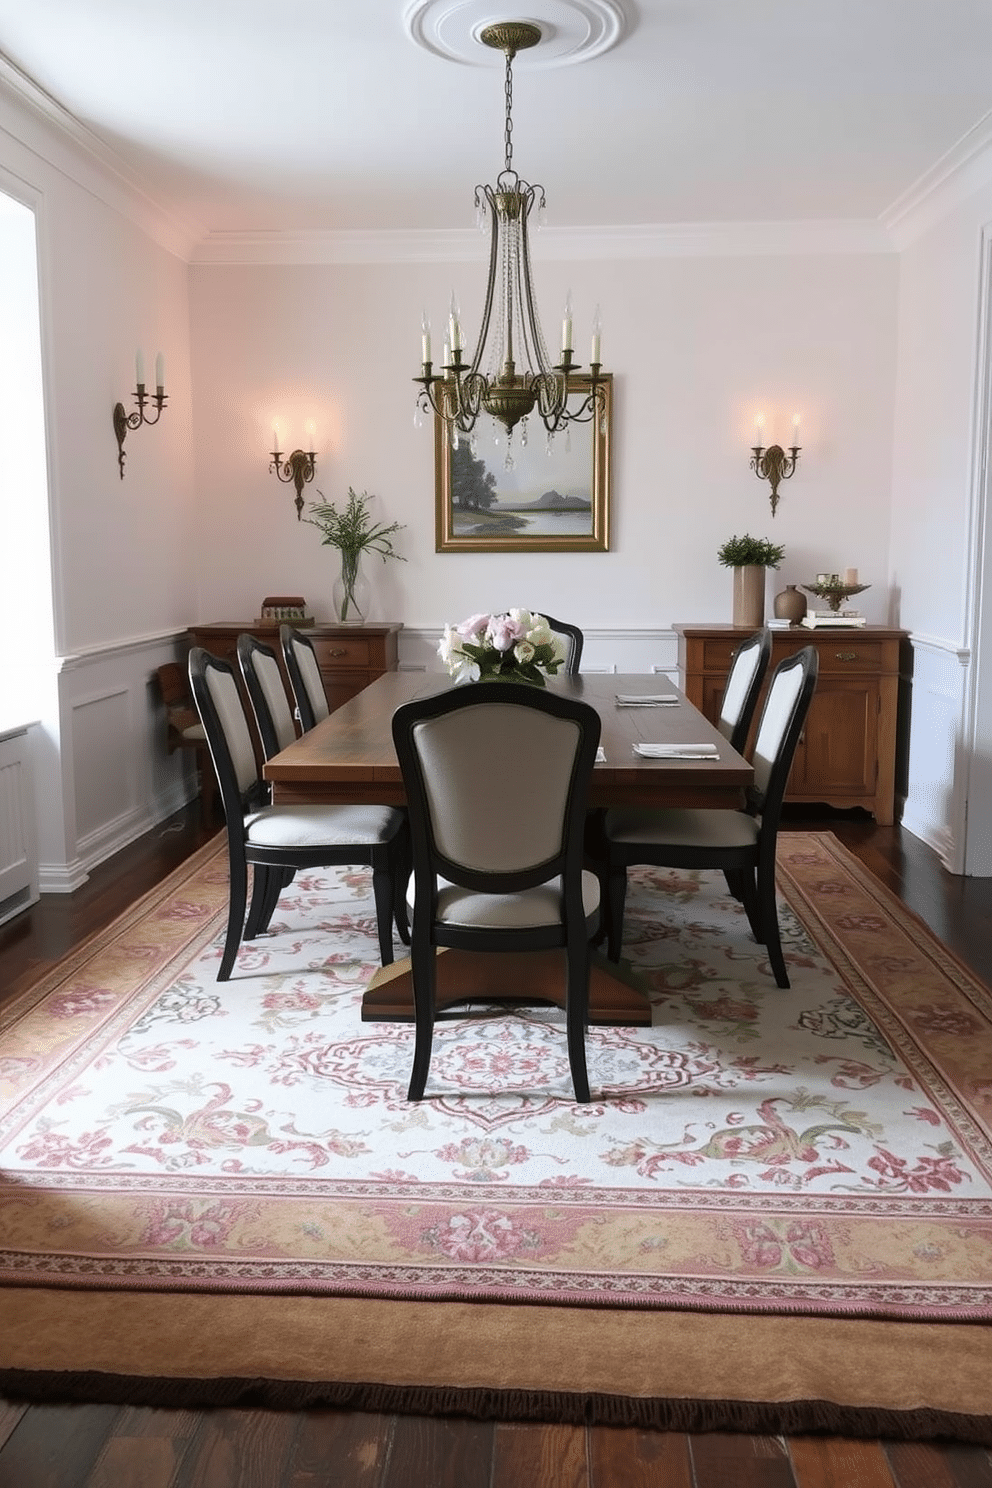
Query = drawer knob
x=845 y=655
x=337 y=651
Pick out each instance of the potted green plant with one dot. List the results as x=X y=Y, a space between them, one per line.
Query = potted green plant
x=749 y=557
x=353 y=533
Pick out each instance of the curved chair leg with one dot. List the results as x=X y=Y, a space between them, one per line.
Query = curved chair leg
x=616 y=897
x=384 y=892
x=235 y=916
x=576 y=1017
x=735 y=882
x=769 y=919
x=269 y=884
x=423 y=973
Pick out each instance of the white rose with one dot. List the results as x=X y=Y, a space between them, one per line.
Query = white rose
x=524 y=652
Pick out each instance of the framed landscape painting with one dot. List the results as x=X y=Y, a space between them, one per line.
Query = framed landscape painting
x=545 y=502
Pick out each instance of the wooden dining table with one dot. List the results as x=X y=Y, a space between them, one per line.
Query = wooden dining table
x=348 y=759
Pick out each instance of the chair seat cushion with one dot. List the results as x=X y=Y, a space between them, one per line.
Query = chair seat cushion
x=676 y=827
x=195 y=734
x=321 y=826
x=471 y=909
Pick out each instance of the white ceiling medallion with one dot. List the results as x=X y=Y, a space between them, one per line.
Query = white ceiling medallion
x=571 y=30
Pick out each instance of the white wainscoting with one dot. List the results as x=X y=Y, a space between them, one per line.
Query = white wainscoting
x=18 y=836
x=936 y=806
x=121 y=778
x=123 y=782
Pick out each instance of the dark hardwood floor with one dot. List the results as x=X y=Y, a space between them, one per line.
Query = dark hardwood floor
x=102 y=1446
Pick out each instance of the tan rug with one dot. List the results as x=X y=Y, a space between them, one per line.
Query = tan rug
x=671 y=1369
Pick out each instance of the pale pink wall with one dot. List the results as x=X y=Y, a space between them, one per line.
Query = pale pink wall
x=697 y=346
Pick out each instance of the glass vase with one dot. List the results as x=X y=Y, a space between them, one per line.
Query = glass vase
x=351 y=592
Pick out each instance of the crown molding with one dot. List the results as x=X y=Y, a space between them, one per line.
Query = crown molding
x=964 y=169
x=69 y=147
x=461 y=245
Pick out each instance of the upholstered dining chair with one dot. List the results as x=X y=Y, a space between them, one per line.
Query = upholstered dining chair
x=496 y=777
x=277 y=840
x=741 y=843
x=571 y=636
x=304 y=676
x=741 y=689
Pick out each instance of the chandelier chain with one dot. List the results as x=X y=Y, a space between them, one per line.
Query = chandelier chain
x=508 y=91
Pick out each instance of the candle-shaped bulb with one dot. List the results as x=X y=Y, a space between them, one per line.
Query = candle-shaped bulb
x=139 y=367
x=311 y=436
x=795 y=429
x=759 y=431
x=160 y=372
x=566 y=324
x=597 y=329
x=275 y=438
x=454 y=325
x=425 y=339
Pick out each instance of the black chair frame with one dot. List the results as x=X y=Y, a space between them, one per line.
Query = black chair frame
x=574 y=638
x=427 y=933
x=289 y=638
x=749 y=868
x=273 y=867
x=761 y=642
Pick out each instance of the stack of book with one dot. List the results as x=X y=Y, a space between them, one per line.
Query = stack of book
x=839 y=619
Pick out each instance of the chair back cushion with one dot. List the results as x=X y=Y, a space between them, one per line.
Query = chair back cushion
x=263 y=678
x=740 y=694
x=496 y=778
x=571 y=638
x=215 y=691
x=312 y=680
x=782 y=718
x=304 y=676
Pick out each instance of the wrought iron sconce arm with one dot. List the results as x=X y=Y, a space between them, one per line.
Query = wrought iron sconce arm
x=124 y=420
x=299 y=468
x=774 y=466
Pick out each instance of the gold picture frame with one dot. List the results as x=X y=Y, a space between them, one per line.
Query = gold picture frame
x=557 y=503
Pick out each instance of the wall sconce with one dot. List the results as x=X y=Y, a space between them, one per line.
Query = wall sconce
x=300 y=467
x=773 y=464
x=124 y=420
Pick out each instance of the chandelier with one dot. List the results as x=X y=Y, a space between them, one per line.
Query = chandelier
x=510 y=375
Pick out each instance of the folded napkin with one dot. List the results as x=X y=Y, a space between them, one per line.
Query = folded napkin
x=677 y=751
x=600 y=756
x=645 y=700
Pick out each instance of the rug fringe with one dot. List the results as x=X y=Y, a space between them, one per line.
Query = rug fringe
x=786 y=1418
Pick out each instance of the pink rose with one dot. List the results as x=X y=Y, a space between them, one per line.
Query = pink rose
x=474 y=626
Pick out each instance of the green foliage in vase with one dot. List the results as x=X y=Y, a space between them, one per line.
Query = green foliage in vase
x=747 y=552
x=353 y=533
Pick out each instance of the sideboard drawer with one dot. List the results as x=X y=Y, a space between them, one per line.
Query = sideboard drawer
x=337 y=652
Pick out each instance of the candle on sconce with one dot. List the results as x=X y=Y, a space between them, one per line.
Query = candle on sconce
x=454 y=328
x=139 y=368
x=566 y=325
x=425 y=339
x=311 y=436
x=759 y=431
x=795 y=434
x=275 y=438
x=160 y=371
x=597 y=327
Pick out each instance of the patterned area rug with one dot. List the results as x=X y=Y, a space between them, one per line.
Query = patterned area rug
x=824 y=1150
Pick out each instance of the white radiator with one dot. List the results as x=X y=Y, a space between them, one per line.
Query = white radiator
x=18 y=852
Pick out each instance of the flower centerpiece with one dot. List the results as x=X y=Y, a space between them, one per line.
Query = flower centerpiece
x=517 y=646
x=353 y=533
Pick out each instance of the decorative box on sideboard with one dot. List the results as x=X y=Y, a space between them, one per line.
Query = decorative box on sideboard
x=847 y=754
x=349 y=656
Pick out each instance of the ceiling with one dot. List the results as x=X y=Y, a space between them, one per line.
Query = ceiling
x=289 y=115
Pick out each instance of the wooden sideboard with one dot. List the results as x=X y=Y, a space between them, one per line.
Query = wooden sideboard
x=847 y=754
x=349 y=656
